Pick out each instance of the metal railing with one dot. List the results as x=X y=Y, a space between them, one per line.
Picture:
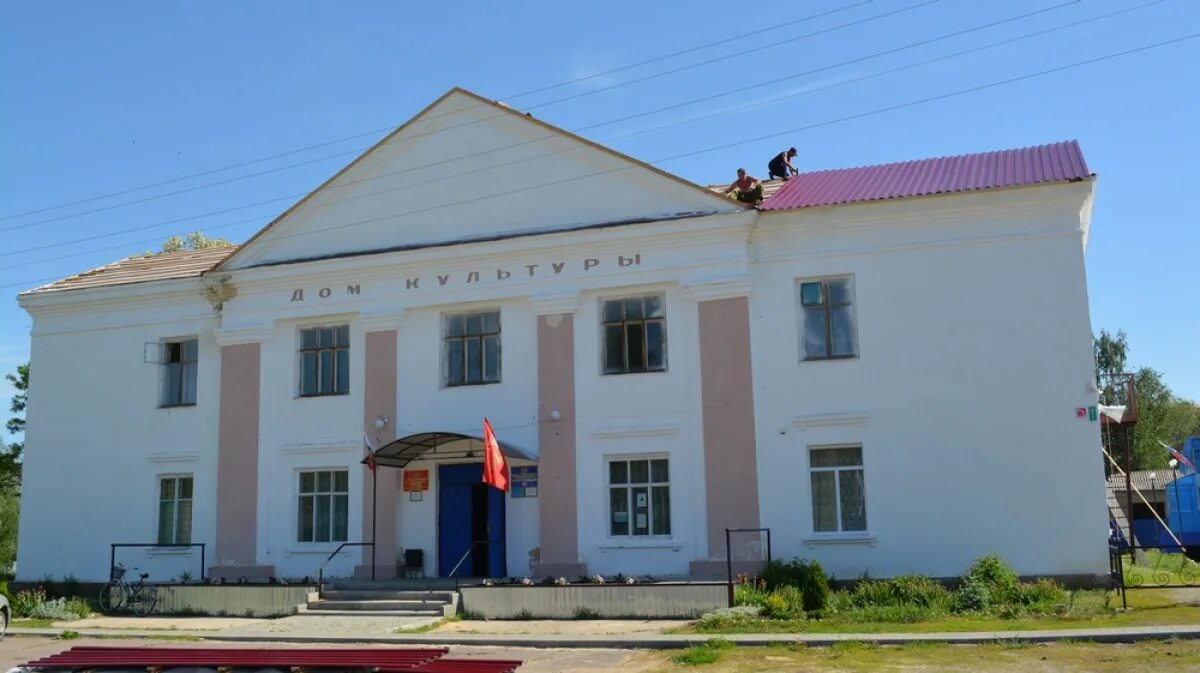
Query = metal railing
x=470 y=548
x=112 y=554
x=1158 y=576
x=729 y=555
x=321 y=569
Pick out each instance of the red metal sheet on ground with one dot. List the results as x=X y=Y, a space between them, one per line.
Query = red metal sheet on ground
x=388 y=659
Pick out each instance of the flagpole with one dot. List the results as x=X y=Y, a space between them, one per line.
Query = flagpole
x=374 y=514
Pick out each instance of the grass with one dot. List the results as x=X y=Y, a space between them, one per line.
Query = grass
x=32 y=623
x=1161 y=568
x=937 y=658
x=705 y=653
x=1147 y=608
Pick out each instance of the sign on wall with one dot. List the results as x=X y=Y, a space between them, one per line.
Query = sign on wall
x=524 y=481
x=416 y=480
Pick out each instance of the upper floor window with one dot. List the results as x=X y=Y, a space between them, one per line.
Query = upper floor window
x=179 y=373
x=635 y=335
x=325 y=361
x=175 y=510
x=472 y=348
x=827 y=307
x=639 y=497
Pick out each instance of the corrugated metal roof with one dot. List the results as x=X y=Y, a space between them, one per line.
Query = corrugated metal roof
x=1057 y=162
x=142 y=269
x=1141 y=480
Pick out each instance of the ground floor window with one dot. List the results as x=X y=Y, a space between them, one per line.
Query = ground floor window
x=639 y=497
x=839 y=496
x=323 y=506
x=175 y=510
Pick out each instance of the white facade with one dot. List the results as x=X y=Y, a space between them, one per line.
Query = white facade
x=973 y=353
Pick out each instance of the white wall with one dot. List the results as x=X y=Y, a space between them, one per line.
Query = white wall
x=974 y=355
x=635 y=414
x=97 y=442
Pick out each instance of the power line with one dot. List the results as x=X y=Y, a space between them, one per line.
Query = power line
x=799 y=129
x=576 y=80
x=348 y=183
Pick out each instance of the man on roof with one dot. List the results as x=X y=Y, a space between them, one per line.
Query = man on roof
x=746 y=189
x=781 y=166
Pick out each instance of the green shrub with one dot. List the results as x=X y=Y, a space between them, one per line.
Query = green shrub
x=58 y=609
x=25 y=602
x=999 y=578
x=583 y=612
x=807 y=576
x=973 y=596
x=70 y=586
x=784 y=603
x=896 y=614
x=1044 y=597
x=748 y=594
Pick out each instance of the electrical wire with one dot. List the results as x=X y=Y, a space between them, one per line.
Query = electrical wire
x=576 y=80
x=475 y=156
x=799 y=129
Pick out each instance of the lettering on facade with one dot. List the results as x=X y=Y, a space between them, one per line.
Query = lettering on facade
x=445 y=279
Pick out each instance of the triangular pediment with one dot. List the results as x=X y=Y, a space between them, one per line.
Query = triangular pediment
x=469 y=169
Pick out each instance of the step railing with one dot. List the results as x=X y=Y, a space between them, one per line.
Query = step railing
x=321 y=569
x=470 y=548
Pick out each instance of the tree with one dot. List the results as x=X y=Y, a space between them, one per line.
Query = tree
x=1162 y=416
x=10 y=454
x=193 y=241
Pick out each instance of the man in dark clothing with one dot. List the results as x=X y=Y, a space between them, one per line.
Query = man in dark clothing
x=746 y=189
x=781 y=166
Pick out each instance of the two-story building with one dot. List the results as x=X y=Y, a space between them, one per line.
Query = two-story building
x=882 y=365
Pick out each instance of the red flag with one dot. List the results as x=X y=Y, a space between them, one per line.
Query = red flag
x=370 y=459
x=495 y=468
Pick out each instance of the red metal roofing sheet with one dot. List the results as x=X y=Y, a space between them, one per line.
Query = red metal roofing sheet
x=1057 y=162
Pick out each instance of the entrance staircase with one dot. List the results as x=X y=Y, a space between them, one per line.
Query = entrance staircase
x=384 y=598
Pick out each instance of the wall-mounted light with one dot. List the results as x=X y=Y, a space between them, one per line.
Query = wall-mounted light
x=381 y=422
x=555 y=415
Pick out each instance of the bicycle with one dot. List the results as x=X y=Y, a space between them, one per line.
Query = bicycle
x=118 y=593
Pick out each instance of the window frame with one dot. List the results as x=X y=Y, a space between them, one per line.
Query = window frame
x=298 y=494
x=481 y=338
x=176 y=499
x=301 y=350
x=841 y=532
x=628 y=487
x=625 y=323
x=802 y=317
x=165 y=391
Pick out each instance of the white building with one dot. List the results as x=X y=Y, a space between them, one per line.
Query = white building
x=883 y=366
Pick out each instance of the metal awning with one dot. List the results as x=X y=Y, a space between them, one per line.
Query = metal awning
x=427 y=445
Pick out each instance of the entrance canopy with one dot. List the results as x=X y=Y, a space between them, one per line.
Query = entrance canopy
x=433 y=445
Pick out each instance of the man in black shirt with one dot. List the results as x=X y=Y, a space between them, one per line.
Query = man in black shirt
x=781 y=166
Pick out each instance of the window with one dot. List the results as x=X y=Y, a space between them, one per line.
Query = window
x=325 y=361
x=828 y=313
x=639 y=497
x=635 y=335
x=839 y=496
x=472 y=348
x=179 y=373
x=174 y=510
x=323 y=506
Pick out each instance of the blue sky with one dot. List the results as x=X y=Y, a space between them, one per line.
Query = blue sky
x=101 y=97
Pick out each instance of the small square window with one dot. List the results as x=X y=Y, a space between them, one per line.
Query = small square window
x=471 y=348
x=639 y=497
x=325 y=361
x=839 y=498
x=829 y=328
x=180 y=369
x=635 y=335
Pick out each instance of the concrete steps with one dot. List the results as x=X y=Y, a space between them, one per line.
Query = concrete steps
x=359 y=599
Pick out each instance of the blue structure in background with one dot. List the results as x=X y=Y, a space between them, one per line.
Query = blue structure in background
x=1183 y=501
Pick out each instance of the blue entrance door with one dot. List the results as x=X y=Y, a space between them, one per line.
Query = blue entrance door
x=469 y=511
